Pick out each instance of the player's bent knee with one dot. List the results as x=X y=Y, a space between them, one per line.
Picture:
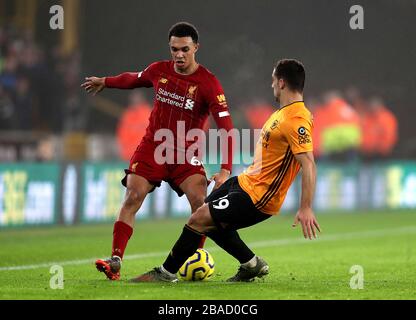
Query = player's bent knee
x=133 y=199
x=201 y=220
x=193 y=221
x=196 y=204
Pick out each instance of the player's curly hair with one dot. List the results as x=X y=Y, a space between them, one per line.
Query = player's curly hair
x=292 y=71
x=184 y=29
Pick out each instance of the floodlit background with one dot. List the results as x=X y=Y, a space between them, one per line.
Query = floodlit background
x=62 y=152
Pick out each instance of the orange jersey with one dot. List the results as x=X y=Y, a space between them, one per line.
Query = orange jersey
x=287 y=132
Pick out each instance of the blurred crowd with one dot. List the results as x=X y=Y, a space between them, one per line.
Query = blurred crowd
x=39 y=87
x=39 y=92
x=347 y=126
x=350 y=126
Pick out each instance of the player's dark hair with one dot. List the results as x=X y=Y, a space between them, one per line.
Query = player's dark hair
x=184 y=29
x=293 y=72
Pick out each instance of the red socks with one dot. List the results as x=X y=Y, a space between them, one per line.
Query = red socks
x=121 y=235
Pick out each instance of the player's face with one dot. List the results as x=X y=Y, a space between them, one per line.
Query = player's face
x=183 y=52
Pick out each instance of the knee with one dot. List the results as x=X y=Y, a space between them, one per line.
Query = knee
x=198 y=220
x=195 y=221
x=134 y=198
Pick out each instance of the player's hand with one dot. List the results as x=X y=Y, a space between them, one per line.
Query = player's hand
x=220 y=178
x=93 y=85
x=309 y=224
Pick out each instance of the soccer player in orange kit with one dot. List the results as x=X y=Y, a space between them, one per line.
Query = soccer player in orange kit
x=257 y=194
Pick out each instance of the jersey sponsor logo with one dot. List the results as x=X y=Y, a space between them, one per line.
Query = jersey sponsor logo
x=191 y=91
x=189 y=105
x=222 y=101
x=170 y=95
x=221 y=98
x=303 y=137
x=133 y=166
x=176 y=100
x=170 y=98
x=163 y=80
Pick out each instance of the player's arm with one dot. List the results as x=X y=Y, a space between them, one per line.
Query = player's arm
x=298 y=132
x=221 y=114
x=126 y=80
x=305 y=214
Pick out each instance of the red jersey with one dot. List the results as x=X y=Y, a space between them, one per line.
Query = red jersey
x=187 y=98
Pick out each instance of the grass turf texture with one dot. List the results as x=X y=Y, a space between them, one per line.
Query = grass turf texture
x=382 y=243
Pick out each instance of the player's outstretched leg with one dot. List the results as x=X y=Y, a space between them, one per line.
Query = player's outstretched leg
x=137 y=189
x=111 y=267
x=248 y=271
x=186 y=245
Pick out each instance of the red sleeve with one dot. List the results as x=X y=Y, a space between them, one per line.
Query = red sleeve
x=221 y=114
x=131 y=80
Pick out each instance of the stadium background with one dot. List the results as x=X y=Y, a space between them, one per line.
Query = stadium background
x=62 y=152
x=62 y=164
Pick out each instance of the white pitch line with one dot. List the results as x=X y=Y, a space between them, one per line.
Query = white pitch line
x=257 y=244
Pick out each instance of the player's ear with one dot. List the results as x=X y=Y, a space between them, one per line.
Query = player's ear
x=196 y=47
x=282 y=84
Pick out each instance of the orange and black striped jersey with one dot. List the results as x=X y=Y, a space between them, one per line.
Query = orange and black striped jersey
x=287 y=132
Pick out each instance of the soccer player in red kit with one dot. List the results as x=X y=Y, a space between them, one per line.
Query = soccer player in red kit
x=185 y=92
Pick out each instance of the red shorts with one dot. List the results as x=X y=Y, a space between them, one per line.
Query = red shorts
x=143 y=163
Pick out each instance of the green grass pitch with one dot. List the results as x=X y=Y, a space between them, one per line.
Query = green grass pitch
x=383 y=243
